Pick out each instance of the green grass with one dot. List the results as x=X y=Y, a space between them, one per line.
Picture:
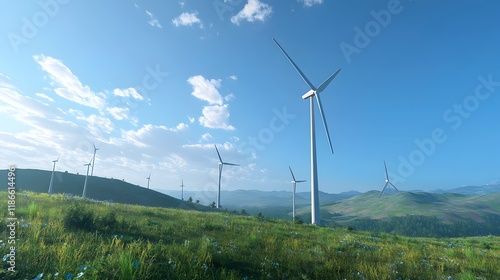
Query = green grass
x=139 y=242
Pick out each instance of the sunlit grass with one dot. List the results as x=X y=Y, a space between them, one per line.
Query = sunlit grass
x=135 y=242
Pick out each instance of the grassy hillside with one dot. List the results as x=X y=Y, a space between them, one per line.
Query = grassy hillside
x=98 y=188
x=447 y=207
x=60 y=236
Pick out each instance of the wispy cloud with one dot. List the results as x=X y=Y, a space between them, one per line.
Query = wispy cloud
x=254 y=10
x=118 y=113
x=44 y=96
x=216 y=117
x=128 y=92
x=206 y=90
x=233 y=77
x=152 y=20
x=187 y=19
x=310 y=3
x=5 y=81
x=67 y=84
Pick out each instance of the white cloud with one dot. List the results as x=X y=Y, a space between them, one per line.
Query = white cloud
x=98 y=126
x=229 y=97
x=181 y=126
x=206 y=89
x=310 y=3
x=68 y=85
x=5 y=81
x=20 y=105
x=254 y=10
x=191 y=120
x=128 y=92
x=206 y=136
x=118 y=113
x=216 y=117
x=187 y=19
x=152 y=20
x=233 y=77
x=44 y=96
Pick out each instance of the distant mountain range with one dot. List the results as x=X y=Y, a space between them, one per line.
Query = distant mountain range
x=470 y=202
x=98 y=188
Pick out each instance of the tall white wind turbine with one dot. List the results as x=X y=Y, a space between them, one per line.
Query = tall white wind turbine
x=93 y=159
x=313 y=92
x=86 y=177
x=294 y=183
x=149 y=179
x=387 y=181
x=52 y=176
x=221 y=164
x=182 y=189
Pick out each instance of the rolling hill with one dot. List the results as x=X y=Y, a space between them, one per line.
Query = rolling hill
x=447 y=207
x=98 y=188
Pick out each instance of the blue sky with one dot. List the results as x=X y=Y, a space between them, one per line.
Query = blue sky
x=155 y=84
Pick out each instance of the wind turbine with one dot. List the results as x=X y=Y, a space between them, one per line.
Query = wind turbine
x=313 y=92
x=86 y=177
x=52 y=176
x=182 y=190
x=387 y=181
x=93 y=159
x=294 y=183
x=221 y=164
x=149 y=179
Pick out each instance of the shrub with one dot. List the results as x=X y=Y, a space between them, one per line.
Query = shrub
x=78 y=217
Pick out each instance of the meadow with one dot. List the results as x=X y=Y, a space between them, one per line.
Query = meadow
x=67 y=237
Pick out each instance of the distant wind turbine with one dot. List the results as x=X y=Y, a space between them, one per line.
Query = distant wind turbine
x=86 y=177
x=313 y=92
x=52 y=176
x=387 y=181
x=294 y=183
x=149 y=179
x=182 y=189
x=221 y=164
x=93 y=159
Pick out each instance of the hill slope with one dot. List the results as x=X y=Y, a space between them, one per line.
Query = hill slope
x=134 y=242
x=447 y=207
x=98 y=188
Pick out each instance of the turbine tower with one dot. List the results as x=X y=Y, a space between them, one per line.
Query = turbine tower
x=182 y=189
x=387 y=181
x=86 y=177
x=221 y=164
x=294 y=183
x=52 y=176
x=93 y=159
x=313 y=92
x=149 y=179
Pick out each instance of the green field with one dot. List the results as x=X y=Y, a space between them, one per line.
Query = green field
x=59 y=235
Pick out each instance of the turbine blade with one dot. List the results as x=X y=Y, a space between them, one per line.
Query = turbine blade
x=386 y=173
x=295 y=66
x=227 y=163
x=301 y=181
x=292 y=173
x=327 y=81
x=394 y=186
x=324 y=121
x=220 y=159
x=383 y=190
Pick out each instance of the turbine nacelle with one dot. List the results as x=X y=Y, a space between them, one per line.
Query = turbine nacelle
x=310 y=93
